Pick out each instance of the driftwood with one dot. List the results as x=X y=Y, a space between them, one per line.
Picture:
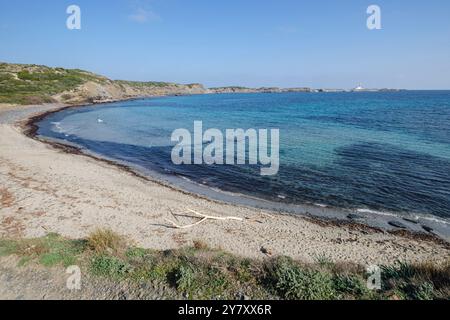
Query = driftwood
x=203 y=218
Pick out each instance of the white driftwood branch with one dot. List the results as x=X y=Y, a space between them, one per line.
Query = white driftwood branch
x=175 y=225
x=215 y=218
x=203 y=217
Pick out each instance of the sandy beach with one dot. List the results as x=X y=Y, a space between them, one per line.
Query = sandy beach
x=43 y=190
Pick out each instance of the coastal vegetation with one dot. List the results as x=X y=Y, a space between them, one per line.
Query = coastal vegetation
x=198 y=272
x=32 y=84
x=35 y=84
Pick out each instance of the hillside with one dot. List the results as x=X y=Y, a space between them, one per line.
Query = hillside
x=35 y=84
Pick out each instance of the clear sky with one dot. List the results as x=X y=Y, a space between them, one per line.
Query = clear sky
x=288 y=43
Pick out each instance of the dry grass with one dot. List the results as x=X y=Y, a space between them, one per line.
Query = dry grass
x=106 y=241
x=200 y=245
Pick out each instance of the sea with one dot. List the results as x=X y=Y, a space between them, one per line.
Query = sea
x=369 y=153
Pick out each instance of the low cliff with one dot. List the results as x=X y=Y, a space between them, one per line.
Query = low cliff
x=257 y=90
x=34 y=84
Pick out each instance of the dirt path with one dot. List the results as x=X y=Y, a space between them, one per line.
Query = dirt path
x=34 y=282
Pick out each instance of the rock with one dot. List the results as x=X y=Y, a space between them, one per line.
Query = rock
x=242 y=296
x=266 y=251
x=427 y=229
x=397 y=224
x=353 y=216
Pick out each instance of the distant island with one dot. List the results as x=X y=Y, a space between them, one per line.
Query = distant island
x=27 y=84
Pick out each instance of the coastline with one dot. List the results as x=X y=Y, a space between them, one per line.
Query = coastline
x=98 y=183
x=424 y=226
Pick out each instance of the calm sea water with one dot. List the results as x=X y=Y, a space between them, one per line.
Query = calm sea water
x=381 y=151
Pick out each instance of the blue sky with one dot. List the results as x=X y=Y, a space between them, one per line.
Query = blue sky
x=237 y=42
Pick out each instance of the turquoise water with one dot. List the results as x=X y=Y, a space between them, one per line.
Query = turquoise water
x=387 y=151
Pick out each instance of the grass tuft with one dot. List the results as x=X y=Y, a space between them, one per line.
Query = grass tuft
x=200 y=245
x=350 y=286
x=105 y=241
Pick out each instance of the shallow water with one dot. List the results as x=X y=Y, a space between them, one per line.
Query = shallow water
x=386 y=151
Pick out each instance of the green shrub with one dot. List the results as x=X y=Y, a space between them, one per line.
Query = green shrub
x=137 y=253
x=294 y=282
x=424 y=291
x=108 y=266
x=351 y=285
x=185 y=277
x=24 y=75
x=200 y=281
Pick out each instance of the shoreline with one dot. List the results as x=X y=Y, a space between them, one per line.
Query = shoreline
x=326 y=238
x=357 y=218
